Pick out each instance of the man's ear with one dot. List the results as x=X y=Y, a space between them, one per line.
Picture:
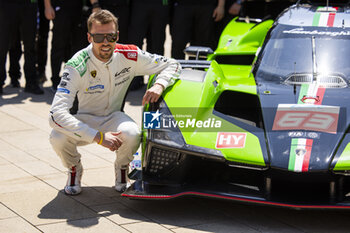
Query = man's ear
x=89 y=37
x=117 y=36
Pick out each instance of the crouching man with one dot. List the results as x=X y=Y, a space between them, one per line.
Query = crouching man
x=99 y=76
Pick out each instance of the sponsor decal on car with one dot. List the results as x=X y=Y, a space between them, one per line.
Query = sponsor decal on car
x=226 y=140
x=299 y=134
x=320 y=118
x=323 y=17
x=308 y=114
x=301 y=31
x=299 y=156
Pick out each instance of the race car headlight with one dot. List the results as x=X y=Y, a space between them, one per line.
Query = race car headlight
x=170 y=136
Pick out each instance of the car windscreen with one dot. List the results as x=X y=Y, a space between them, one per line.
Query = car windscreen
x=289 y=50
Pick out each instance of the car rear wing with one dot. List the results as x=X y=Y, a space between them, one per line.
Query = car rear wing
x=249 y=20
x=198 y=51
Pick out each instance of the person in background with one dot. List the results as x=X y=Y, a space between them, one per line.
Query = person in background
x=121 y=9
x=193 y=22
x=67 y=33
x=148 y=20
x=15 y=54
x=42 y=37
x=264 y=9
x=232 y=10
x=19 y=15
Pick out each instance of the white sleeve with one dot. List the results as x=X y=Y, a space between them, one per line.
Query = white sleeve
x=168 y=69
x=60 y=118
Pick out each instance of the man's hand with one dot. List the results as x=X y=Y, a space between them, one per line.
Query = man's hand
x=95 y=9
x=49 y=12
x=95 y=6
x=152 y=95
x=218 y=13
x=111 y=140
x=234 y=9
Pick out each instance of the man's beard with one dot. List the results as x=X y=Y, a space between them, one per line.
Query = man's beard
x=106 y=55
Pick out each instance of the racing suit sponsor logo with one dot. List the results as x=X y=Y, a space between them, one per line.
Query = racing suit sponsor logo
x=95 y=87
x=93 y=73
x=65 y=76
x=123 y=81
x=123 y=71
x=63 y=83
x=131 y=55
x=227 y=140
x=79 y=62
x=64 y=90
x=94 y=81
x=161 y=59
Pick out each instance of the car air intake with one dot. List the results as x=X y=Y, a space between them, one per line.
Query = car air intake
x=244 y=59
x=329 y=81
x=162 y=159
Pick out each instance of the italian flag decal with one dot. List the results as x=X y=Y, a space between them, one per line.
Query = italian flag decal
x=311 y=94
x=324 y=19
x=300 y=150
x=299 y=156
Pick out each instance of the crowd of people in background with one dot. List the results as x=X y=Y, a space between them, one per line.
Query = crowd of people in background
x=27 y=22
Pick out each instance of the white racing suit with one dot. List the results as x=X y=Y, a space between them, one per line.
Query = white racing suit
x=101 y=88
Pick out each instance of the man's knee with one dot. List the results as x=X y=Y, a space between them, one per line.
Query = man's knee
x=130 y=129
x=58 y=140
x=131 y=137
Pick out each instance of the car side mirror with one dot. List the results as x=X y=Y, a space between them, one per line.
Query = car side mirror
x=198 y=51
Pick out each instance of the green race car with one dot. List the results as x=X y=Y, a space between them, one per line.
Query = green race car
x=265 y=119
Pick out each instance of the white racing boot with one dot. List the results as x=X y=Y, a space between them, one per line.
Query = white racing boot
x=121 y=181
x=73 y=186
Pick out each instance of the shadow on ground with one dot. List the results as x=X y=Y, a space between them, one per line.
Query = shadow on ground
x=18 y=96
x=195 y=213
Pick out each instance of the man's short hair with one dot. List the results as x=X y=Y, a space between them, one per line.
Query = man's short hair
x=102 y=17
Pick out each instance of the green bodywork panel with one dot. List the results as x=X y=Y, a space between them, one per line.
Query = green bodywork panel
x=181 y=102
x=343 y=162
x=241 y=38
x=198 y=99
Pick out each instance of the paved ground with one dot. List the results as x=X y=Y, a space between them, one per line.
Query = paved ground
x=32 y=178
